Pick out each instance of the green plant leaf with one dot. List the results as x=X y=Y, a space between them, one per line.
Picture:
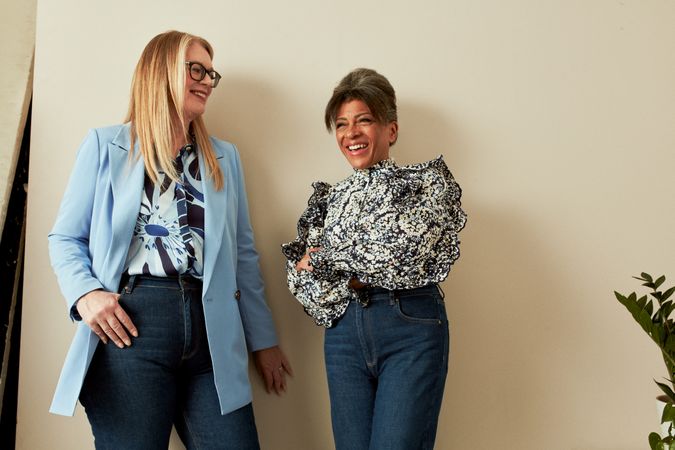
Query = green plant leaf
x=659 y=281
x=645 y=276
x=668 y=293
x=654 y=440
x=642 y=303
x=640 y=309
x=668 y=413
x=662 y=336
x=669 y=345
x=667 y=390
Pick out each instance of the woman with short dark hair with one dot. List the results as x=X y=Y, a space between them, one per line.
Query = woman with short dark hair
x=366 y=264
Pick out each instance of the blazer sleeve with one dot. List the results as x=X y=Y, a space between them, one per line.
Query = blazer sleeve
x=69 y=238
x=255 y=314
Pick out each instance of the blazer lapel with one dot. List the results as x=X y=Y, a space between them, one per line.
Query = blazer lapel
x=215 y=212
x=126 y=179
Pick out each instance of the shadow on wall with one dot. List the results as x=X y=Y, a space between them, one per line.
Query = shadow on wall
x=509 y=303
x=506 y=296
x=424 y=133
x=255 y=115
x=511 y=315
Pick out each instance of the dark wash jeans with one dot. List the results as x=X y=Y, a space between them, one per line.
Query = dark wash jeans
x=132 y=396
x=387 y=362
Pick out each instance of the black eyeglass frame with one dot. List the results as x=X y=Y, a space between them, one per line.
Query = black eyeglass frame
x=215 y=76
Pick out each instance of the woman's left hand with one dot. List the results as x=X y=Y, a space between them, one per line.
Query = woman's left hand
x=273 y=366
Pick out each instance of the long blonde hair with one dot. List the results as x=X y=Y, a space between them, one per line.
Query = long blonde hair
x=156 y=106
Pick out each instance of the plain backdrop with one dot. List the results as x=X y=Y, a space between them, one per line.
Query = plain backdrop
x=557 y=119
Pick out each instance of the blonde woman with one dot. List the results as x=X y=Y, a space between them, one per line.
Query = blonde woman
x=154 y=253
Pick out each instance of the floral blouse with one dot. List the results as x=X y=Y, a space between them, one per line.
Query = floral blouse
x=388 y=226
x=169 y=233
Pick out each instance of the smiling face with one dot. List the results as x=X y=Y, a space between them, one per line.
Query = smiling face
x=196 y=92
x=363 y=140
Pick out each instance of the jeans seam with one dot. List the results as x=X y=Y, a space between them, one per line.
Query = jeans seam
x=370 y=344
x=187 y=326
x=190 y=433
x=359 y=321
x=438 y=388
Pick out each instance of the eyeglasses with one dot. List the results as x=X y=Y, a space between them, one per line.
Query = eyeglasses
x=197 y=72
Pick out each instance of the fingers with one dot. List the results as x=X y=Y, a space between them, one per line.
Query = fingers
x=117 y=333
x=102 y=312
x=268 y=377
x=279 y=381
x=99 y=332
x=304 y=264
x=279 y=374
x=286 y=365
x=275 y=380
x=124 y=318
x=273 y=367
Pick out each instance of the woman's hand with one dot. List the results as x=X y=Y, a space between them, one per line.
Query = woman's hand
x=304 y=263
x=102 y=312
x=272 y=366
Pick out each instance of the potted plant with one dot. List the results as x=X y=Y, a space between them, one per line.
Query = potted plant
x=653 y=313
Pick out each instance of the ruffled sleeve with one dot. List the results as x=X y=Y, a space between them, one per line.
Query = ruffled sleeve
x=410 y=238
x=326 y=298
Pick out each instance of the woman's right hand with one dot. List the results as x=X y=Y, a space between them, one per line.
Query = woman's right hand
x=304 y=263
x=102 y=312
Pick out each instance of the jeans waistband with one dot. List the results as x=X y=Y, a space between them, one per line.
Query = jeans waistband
x=372 y=290
x=180 y=281
x=369 y=293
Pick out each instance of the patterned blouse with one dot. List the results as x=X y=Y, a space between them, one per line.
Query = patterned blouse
x=388 y=226
x=169 y=234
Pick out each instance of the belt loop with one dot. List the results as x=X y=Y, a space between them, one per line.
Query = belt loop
x=440 y=291
x=363 y=297
x=131 y=283
x=181 y=281
x=392 y=297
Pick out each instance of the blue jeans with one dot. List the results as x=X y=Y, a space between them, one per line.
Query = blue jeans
x=387 y=362
x=133 y=396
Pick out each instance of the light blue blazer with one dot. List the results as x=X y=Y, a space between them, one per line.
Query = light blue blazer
x=89 y=243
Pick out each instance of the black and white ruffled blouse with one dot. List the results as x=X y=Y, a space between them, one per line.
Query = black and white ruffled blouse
x=388 y=226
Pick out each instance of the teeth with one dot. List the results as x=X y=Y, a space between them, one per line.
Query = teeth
x=356 y=147
x=200 y=94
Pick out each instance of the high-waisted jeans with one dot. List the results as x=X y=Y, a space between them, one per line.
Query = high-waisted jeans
x=387 y=361
x=133 y=396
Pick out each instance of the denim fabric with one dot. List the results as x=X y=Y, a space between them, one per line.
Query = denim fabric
x=132 y=396
x=387 y=361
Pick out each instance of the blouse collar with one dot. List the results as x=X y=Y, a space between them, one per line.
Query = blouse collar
x=377 y=167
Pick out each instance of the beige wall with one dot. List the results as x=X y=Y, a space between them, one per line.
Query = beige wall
x=17 y=40
x=555 y=116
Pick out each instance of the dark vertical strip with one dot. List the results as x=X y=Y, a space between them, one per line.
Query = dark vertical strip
x=11 y=291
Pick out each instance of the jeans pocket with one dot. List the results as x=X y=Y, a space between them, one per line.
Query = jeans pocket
x=423 y=309
x=122 y=297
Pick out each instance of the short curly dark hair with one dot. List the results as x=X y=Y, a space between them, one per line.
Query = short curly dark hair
x=368 y=86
